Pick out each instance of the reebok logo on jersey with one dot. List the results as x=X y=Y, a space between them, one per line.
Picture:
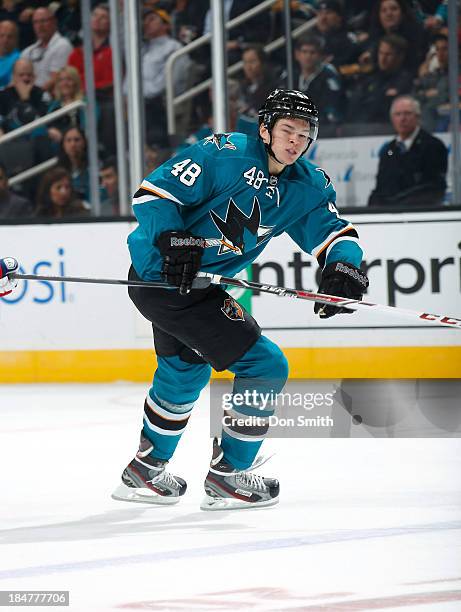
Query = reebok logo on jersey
x=221 y=141
x=180 y=242
x=232 y=310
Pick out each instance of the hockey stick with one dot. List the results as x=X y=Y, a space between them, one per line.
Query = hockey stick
x=94 y=281
x=204 y=279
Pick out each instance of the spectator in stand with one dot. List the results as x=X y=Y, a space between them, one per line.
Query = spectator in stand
x=434 y=14
x=68 y=89
x=108 y=176
x=255 y=30
x=22 y=101
x=300 y=11
x=339 y=45
x=257 y=82
x=372 y=96
x=204 y=130
x=12 y=206
x=73 y=157
x=159 y=45
x=432 y=89
x=356 y=13
x=102 y=52
x=9 y=52
x=155 y=157
x=69 y=19
x=413 y=166
x=21 y=13
x=431 y=61
x=318 y=79
x=396 y=17
x=56 y=199
x=204 y=111
x=51 y=50
x=188 y=18
x=103 y=74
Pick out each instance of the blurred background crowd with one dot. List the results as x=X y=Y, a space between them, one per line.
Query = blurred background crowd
x=373 y=68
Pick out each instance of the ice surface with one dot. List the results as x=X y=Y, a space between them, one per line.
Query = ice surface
x=363 y=524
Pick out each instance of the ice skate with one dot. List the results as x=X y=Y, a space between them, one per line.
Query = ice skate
x=229 y=489
x=146 y=480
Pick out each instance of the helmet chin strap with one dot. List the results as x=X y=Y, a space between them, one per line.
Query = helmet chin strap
x=270 y=151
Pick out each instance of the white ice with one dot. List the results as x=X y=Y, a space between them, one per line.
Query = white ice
x=363 y=524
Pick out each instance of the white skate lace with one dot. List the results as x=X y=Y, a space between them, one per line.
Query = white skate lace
x=166 y=478
x=253 y=481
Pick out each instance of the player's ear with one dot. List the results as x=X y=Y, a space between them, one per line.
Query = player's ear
x=264 y=133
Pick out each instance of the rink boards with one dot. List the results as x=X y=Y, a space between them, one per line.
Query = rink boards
x=70 y=332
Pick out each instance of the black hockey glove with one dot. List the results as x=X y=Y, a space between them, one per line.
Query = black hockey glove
x=182 y=254
x=341 y=279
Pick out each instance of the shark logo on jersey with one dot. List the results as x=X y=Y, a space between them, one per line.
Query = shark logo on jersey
x=239 y=230
x=232 y=310
x=221 y=141
x=325 y=176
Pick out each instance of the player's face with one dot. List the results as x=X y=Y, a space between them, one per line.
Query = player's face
x=289 y=139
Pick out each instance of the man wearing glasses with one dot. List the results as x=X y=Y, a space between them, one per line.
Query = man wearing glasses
x=50 y=52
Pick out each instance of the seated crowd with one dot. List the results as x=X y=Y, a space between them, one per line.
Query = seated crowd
x=355 y=60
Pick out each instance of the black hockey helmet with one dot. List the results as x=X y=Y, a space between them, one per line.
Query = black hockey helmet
x=289 y=103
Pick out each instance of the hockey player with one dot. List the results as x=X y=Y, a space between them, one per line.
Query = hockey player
x=214 y=207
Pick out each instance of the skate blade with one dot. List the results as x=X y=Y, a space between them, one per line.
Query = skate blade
x=142 y=496
x=229 y=503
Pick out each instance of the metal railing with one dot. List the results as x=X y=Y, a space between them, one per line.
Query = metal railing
x=30 y=127
x=172 y=101
x=30 y=172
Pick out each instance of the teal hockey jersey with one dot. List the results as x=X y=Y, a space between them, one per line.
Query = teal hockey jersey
x=220 y=189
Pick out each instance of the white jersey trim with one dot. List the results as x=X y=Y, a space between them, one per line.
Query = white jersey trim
x=330 y=237
x=335 y=242
x=163 y=192
x=144 y=199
